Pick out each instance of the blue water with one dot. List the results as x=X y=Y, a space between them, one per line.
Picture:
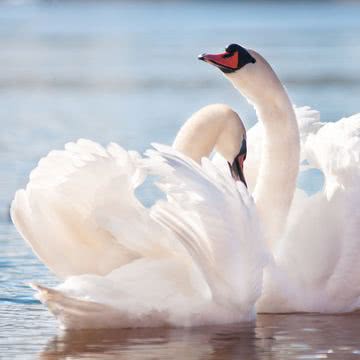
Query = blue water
x=127 y=72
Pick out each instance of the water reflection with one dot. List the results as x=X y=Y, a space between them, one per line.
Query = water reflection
x=298 y=336
x=227 y=342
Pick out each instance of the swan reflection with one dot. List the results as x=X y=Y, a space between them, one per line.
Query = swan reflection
x=225 y=342
x=271 y=337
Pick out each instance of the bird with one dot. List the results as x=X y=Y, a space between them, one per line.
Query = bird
x=305 y=246
x=314 y=240
x=194 y=258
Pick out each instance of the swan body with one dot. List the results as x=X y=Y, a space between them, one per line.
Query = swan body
x=315 y=239
x=196 y=258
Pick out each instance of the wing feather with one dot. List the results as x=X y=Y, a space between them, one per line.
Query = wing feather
x=79 y=212
x=215 y=220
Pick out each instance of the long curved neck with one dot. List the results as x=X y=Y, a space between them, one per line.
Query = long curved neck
x=213 y=127
x=276 y=182
x=279 y=166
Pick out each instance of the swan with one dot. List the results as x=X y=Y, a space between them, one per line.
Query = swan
x=314 y=240
x=180 y=262
x=194 y=258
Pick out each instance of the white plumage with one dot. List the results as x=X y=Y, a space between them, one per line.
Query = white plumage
x=194 y=259
x=317 y=260
x=198 y=257
x=314 y=239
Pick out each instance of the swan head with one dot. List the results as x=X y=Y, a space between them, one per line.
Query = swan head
x=215 y=127
x=248 y=71
x=233 y=59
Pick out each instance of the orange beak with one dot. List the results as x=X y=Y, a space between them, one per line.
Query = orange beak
x=223 y=60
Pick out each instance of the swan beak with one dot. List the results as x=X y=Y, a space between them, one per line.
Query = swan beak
x=237 y=169
x=225 y=61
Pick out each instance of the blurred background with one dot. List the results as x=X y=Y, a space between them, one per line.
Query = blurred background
x=127 y=71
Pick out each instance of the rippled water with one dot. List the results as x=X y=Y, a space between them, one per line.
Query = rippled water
x=127 y=72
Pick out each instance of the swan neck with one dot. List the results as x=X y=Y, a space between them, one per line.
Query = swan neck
x=276 y=182
x=214 y=127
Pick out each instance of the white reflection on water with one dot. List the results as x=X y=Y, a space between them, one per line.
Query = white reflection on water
x=272 y=337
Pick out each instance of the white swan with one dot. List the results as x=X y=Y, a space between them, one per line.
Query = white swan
x=316 y=243
x=195 y=259
x=175 y=263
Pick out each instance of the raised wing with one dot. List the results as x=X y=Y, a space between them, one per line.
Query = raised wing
x=215 y=220
x=335 y=149
x=79 y=212
x=319 y=256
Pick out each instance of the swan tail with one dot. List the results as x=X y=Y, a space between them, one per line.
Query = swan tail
x=79 y=212
x=74 y=313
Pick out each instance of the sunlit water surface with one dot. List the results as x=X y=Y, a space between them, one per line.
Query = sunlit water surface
x=127 y=72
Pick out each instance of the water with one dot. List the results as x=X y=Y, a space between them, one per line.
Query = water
x=127 y=72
